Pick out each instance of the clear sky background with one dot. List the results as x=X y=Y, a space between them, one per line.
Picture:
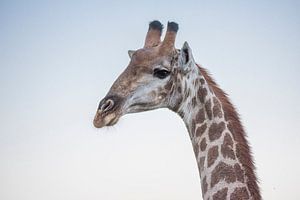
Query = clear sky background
x=59 y=58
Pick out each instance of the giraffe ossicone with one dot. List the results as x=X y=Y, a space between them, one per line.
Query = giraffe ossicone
x=161 y=76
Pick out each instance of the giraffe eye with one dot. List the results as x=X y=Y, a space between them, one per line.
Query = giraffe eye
x=161 y=73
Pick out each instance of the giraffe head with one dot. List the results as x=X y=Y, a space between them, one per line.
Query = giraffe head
x=153 y=79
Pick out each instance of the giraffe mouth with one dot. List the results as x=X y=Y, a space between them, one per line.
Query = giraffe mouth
x=142 y=106
x=102 y=119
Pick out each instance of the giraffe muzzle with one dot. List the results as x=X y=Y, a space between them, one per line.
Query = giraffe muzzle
x=107 y=112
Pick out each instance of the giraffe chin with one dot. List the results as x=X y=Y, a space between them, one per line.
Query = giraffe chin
x=101 y=120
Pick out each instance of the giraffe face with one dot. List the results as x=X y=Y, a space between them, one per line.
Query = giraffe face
x=152 y=80
x=144 y=85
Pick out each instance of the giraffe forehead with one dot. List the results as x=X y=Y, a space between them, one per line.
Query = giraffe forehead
x=145 y=56
x=150 y=57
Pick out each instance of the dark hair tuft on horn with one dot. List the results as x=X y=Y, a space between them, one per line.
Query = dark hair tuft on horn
x=172 y=26
x=156 y=25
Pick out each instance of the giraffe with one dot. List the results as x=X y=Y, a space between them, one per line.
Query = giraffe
x=161 y=76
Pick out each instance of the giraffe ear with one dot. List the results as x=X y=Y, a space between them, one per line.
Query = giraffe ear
x=186 y=55
x=130 y=53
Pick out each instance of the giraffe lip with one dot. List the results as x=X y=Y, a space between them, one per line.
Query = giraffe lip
x=140 y=107
x=137 y=107
x=144 y=104
x=113 y=122
x=104 y=119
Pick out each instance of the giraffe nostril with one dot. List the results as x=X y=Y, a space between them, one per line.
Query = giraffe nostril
x=107 y=105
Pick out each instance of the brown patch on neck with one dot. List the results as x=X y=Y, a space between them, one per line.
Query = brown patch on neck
x=222 y=172
x=217 y=108
x=239 y=193
x=203 y=145
x=221 y=194
x=238 y=133
x=202 y=92
x=227 y=147
x=215 y=131
x=200 y=116
x=212 y=155
x=208 y=109
x=204 y=185
x=200 y=130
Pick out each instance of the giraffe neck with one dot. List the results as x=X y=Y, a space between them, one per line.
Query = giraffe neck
x=222 y=153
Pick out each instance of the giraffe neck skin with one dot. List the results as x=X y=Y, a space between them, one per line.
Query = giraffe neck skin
x=223 y=175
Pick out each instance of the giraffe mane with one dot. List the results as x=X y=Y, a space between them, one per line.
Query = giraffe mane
x=245 y=154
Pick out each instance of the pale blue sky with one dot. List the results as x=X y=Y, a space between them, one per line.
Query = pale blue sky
x=59 y=58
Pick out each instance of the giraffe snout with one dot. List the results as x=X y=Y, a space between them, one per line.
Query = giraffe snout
x=107 y=112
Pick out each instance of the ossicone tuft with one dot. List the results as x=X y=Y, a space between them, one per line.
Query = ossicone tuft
x=156 y=25
x=173 y=26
